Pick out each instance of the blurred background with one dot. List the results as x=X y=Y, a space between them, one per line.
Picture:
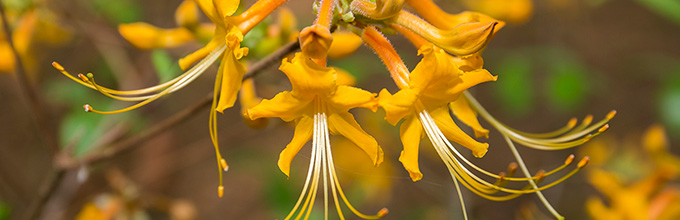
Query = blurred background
x=556 y=59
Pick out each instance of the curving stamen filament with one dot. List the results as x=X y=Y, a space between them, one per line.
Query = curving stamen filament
x=212 y=128
x=563 y=138
x=142 y=94
x=321 y=162
x=477 y=185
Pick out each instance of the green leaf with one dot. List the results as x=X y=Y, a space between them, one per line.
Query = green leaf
x=567 y=84
x=5 y=210
x=119 y=11
x=165 y=66
x=514 y=86
x=666 y=8
x=669 y=104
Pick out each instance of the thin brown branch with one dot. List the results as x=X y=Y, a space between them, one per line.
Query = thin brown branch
x=65 y=162
x=126 y=144
x=33 y=99
x=45 y=192
x=272 y=59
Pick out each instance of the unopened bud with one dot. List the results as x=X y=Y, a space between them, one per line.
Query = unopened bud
x=315 y=41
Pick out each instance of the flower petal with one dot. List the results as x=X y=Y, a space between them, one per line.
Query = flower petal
x=344 y=43
x=411 y=132
x=199 y=54
x=304 y=128
x=344 y=124
x=232 y=75
x=452 y=132
x=145 y=36
x=397 y=106
x=307 y=78
x=284 y=105
x=348 y=97
x=461 y=109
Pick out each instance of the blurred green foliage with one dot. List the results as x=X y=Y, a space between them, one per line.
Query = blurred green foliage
x=4 y=210
x=567 y=83
x=669 y=102
x=166 y=67
x=119 y=11
x=514 y=86
x=564 y=80
x=670 y=9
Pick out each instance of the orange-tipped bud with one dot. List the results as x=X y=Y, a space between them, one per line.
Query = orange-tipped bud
x=383 y=212
x=315 y=41
x=569 y=159
x=220 y=191
x=58 y=66
x=583 y=162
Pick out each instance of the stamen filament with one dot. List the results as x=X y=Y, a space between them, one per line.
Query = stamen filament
x=322 y=162
x=524 y=169
x=193 y=73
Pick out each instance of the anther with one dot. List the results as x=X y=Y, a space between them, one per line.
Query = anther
x=583 y=162
x=603 y=128
x=569 y=159
x=611 y=114
x=58 y=66
x=588 y=119
x=87 y=108
x=220 y=191
x=587 y=138
x=501 y=176
x=540 y=175
x=224 y=165
x=82 y=77
x=572 y=122
x=383 y=212
x=512 y=167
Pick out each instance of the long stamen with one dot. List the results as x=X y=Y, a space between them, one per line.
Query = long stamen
x=575 y=137
x=194 y=72
x=474 y=183
x=212 y=128
x=334 y=178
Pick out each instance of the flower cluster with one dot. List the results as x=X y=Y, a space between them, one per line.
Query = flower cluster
x=430 y=95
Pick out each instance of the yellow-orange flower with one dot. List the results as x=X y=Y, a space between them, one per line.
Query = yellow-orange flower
x=434 y=83
x=318 y=105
